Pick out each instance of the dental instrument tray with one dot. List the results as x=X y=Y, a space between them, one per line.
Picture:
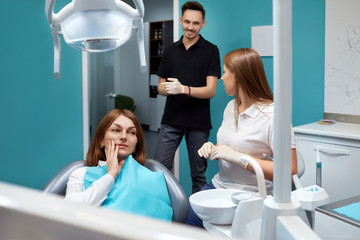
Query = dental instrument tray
x=311 y=197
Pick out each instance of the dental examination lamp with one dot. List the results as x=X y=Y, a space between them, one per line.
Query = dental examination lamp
x=96 y=26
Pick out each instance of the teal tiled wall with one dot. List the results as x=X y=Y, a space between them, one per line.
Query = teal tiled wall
x=41 y=117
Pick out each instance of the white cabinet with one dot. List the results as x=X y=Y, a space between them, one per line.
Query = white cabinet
x=337 y=148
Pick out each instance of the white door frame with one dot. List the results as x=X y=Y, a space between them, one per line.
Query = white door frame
x=176 y=37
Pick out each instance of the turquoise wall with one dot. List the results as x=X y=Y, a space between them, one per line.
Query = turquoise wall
x=229 y=27
x=41 y=117
x=308 y=60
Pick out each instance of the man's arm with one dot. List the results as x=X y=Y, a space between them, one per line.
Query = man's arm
x=205 y=92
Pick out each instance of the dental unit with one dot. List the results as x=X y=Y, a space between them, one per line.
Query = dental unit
x=279 y=215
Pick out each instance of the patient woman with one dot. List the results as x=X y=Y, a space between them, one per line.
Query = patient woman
x=114 y=175
x=247 y=127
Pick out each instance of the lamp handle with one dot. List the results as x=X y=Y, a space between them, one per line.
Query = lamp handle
x=141 y=44
x=49 y=12
x=259 y=175
x=57 y=52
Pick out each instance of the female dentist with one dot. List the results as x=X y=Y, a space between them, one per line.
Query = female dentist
x=246 y=129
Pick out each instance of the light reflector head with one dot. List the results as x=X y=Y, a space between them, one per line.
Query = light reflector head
x=97 y=30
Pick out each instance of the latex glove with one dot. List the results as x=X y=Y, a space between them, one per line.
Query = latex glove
x=112 y=162
x=173 y=87
x=205 y=150
x=228 y=154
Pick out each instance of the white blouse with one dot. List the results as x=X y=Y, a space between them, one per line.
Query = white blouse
x=254 y=136
x=94 y=194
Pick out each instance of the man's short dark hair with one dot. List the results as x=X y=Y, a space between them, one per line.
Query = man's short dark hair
x=193 y=5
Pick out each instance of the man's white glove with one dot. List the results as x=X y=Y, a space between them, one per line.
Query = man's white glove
x=228 y=154
x=173 y=87
x=205 y=150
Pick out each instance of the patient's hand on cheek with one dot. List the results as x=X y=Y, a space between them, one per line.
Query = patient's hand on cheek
x=113 y=165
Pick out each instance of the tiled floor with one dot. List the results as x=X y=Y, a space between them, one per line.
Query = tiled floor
x=151 y=138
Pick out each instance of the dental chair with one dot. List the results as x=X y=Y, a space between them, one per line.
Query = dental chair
x=300 y=172
x=179 y=200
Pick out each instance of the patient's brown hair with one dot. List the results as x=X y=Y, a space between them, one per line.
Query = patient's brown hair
x=97 y=153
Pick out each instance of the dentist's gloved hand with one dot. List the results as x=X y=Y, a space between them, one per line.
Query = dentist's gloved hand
x=205 y=150
x=173 y=87
x=228 y=154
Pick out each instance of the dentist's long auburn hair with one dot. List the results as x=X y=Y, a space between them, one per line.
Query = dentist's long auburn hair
x=250 y=76
x=97 y=153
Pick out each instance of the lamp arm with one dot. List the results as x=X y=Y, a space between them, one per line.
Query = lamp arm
x=140 y=7
x=49 y=9
x=141 y=44
x=129 y=11
x=259 y=175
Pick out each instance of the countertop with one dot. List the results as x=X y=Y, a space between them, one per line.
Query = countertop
x=339 y=130
x=328 y=210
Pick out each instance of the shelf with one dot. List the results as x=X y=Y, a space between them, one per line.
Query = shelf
x=156 y=44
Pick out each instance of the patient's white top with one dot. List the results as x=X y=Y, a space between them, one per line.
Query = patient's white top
x=94 y=194
x=253 y=136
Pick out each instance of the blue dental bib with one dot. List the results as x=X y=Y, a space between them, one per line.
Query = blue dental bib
x=137 y=190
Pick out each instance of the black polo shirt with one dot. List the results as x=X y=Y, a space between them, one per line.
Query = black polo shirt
x=190 y=67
